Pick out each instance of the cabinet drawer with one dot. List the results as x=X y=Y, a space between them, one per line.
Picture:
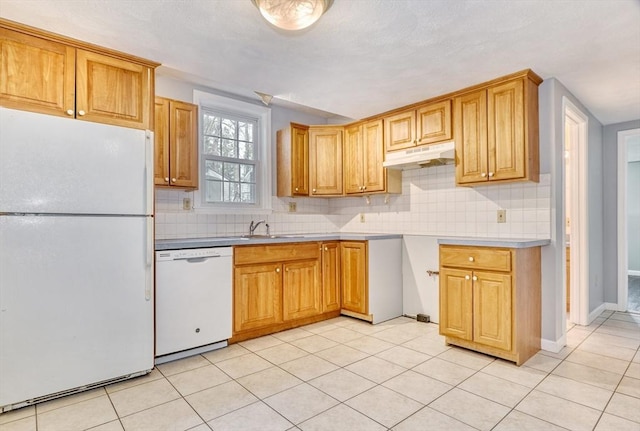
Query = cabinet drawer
x=253 y=254
x=476 y=258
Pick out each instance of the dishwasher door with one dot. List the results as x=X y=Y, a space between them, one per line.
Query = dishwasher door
x=193 y=298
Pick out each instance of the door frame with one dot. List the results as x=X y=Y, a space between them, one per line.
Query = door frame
x=579 y=254
x=623 y=256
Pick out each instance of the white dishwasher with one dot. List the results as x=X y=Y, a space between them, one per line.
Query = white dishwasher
x=193 y=301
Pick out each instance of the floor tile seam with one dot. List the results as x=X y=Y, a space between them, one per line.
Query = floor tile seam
x=531 y=416
x=20 y=418
x=596 y=368
x=618 y=416
x=461 y=365
x=378 y=422
x=186 y=371
x=604 y=347
x=180 y=396
x=578 y=402
x=35 y=410
x=455 y=418
x=295 y=424
x=255 y=402
x=113 y=406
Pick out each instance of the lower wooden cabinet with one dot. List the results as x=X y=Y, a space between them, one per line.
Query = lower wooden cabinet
x=331 y=284
x=257 y=296
x=355 y=289
x=490 y=300
x=301 y=289
x=277 y=287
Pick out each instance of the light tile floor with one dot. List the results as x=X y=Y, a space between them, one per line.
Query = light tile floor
x=344 y=374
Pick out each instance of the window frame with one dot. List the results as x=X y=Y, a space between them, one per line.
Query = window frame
x=239 y=108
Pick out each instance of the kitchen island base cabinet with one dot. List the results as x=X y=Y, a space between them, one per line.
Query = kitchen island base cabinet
x=372 y=279
x=490 y=300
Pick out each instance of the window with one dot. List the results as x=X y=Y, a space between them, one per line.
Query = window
x=235 y=170
x=229 y=153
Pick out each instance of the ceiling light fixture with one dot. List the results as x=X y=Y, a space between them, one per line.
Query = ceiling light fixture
x=292 y=14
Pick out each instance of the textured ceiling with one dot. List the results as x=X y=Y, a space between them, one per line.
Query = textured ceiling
x=368 y=56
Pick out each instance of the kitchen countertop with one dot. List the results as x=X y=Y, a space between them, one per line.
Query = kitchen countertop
x=185 y=243
x=494 y=242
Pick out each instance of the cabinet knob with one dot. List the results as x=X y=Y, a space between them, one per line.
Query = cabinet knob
x=326 y=249
x=173 y=180
x=490 y=174
x=484 y=174
x=166 y=179
x=277 y=269
x=296 y=189
x=471 y=259
x=81 y=113
x=313 y=190
x=286 y=270
x=70 y=112
x=474 y=278
x=364 y=188
x=466 y=277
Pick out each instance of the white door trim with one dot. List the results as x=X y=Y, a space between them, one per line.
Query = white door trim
x=578 y=123
x=623 y=258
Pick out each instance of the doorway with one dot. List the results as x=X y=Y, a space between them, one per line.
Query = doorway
x=575 y=254
x=628 y=220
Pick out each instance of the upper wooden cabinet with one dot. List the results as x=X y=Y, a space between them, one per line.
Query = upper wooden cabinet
x=325 y=160
x=51 y=74
x=496 y=130
x=176 y=143
x=423 y=125
x=363 y=157
x=292 y=146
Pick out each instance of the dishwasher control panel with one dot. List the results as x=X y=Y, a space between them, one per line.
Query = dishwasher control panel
x=194 y=253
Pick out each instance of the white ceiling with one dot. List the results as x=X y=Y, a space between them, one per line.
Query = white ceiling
x=365 y=57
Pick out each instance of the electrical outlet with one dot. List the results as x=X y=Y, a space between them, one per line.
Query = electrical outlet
x=361 y=217
x=502 y=216
x=186 y=204
x=293 y=207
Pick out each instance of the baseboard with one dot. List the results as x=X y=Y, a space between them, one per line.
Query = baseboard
x=611 y=306
x=634 y=273
x=595 y=313
x=553 y=346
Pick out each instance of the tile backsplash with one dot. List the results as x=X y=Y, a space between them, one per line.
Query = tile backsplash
x=430 y=204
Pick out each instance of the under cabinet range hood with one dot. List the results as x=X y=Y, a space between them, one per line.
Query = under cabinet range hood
x=421 y=157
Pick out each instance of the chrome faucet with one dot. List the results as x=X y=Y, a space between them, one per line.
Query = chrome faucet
x=253 y=226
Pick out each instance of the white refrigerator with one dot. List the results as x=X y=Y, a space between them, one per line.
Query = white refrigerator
x=76 y=255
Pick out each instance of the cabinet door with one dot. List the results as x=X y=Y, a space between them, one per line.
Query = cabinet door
x=400 y=131
x=506 y=134
x=470 y=116
x=36 y=74
x=161 y=142
x=325 y=161
x=353 y=159
x=183 y=138
x=492 y=306
x=330 y=276
x=353 y=265
x=372 y=157
x=113 y=91
x=434 y=122
x=456 y=303
x=300 y=160
x=257 y=296
x=302 y=289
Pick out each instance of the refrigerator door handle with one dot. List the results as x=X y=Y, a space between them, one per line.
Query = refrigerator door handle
x=149 y=259
x=148 y=172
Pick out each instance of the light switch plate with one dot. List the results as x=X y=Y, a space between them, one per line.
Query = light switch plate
x=186 y=204
x=293 y=207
